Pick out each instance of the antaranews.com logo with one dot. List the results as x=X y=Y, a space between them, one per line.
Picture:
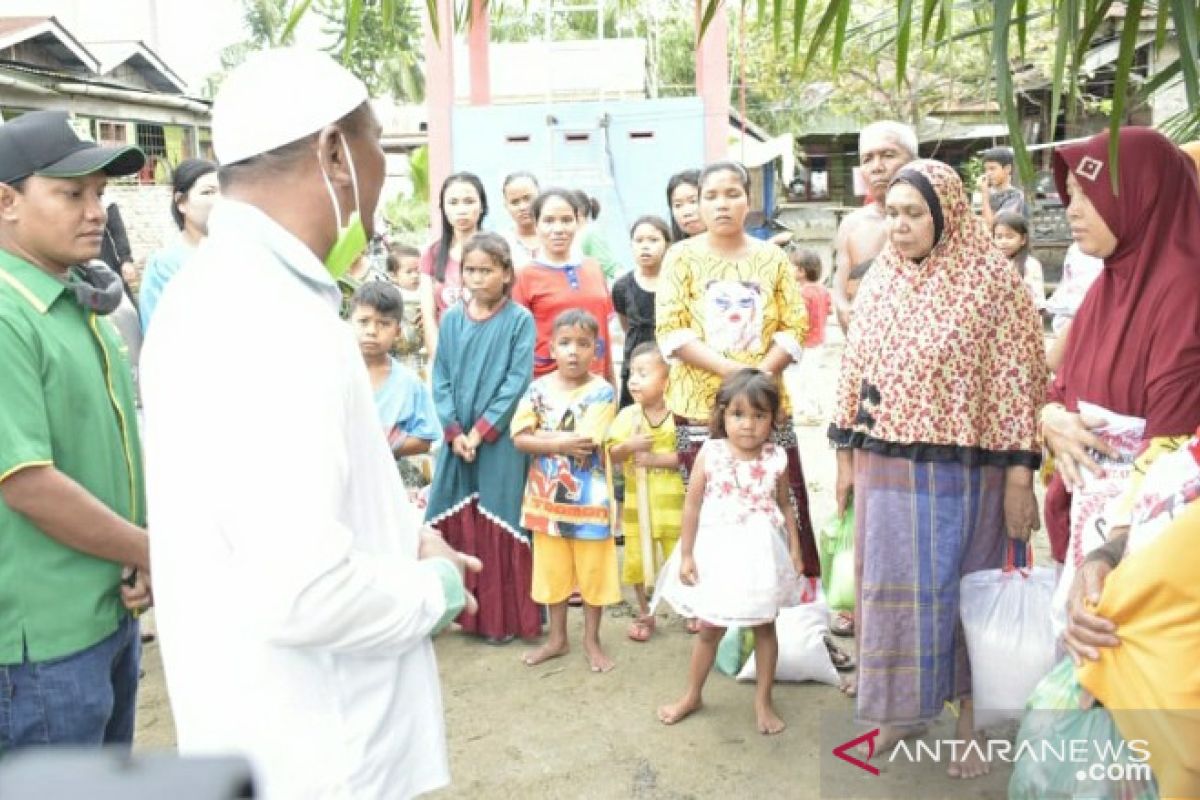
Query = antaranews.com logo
x=1096 y=760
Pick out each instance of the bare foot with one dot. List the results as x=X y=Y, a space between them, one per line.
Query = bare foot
x=769 y=722
x=679 y=710
x=848 y=684
x=971 y=762
x=597 y=659
x=546 y=652
x=889 y=736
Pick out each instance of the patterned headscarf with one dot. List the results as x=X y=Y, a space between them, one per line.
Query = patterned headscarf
x=944 y=359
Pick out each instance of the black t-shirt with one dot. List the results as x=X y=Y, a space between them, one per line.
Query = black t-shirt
x=637 y=306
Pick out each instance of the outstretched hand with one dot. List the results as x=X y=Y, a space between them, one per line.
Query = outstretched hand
x=434 y=546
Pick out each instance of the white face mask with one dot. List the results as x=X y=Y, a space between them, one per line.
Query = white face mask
x=351 y=238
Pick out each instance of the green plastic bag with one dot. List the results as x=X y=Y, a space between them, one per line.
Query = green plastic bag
x=735 y=647
x=1052 y=723
x=836 y=549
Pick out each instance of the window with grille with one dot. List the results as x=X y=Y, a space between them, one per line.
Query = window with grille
x=112 y=133
x=153 y=142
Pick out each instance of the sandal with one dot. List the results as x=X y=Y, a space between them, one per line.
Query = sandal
x=842 y=623
x=641 y=629
x=842 y=661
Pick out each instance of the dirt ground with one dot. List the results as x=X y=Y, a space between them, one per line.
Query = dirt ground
x=559 y=731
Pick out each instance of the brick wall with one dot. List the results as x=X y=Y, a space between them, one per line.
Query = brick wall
x=146 y=211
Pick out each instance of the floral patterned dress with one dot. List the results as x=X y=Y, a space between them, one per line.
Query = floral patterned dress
x=744 y=570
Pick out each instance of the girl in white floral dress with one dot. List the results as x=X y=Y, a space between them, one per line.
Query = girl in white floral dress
x=738 y=560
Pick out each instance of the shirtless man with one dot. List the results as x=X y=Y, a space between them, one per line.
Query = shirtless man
x=883 y=148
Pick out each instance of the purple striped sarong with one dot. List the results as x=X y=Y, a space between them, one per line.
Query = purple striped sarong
x=919 y=527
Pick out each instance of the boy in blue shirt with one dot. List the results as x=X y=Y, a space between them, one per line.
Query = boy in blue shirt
x=406 y=410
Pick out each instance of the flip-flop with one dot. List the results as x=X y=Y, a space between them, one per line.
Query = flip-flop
x=842 y=661
x=842 y=623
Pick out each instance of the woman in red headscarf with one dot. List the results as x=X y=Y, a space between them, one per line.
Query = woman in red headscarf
x=1134 y=348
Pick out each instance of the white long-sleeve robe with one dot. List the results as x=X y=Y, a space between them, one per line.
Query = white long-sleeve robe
x=293 y=613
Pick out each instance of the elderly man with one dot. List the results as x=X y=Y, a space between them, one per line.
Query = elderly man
x=883 y=148
x=72 y=510
x=297 y=589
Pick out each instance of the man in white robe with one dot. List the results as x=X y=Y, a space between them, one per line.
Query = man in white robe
x=295 y=587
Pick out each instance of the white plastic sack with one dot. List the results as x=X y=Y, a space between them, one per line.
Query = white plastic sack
x=1010 y=638
x=801 y=631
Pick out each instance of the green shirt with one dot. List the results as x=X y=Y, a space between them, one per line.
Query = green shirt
x=66 y=399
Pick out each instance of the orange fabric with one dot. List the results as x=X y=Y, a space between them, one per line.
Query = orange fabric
x=1193 y=151
x=1151 y=682
x=547 y=292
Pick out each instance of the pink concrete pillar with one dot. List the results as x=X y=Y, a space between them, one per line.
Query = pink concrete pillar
x=477 y=41
x=712 y=81
x=439 y=101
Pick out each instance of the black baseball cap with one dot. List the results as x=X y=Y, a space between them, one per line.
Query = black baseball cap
x=44 y=143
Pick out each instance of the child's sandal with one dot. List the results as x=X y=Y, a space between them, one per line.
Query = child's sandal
x=641 y=629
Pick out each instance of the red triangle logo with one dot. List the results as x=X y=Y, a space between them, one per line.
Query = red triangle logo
x=869 y=737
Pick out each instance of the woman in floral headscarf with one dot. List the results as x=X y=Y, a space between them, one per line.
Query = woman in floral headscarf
x=936 y=430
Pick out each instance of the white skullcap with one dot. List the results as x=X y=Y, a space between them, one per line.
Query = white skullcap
x=276 y=97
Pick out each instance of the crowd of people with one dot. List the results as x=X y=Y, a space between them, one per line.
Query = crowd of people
x=340 y=462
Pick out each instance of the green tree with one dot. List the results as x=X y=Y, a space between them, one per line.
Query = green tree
x=1073 y=23
x=268 y=23
x=385 y=53
x=927 y=23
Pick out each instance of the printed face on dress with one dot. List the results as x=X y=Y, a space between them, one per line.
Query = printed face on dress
x=1009 y=241
x=723 y=203
x=55 y=222
x=484 y=277
x=649 y=245
x=909 y=221
x=376 y=332
x=519 y=195
x=573 y=348
x=748 y=428
x=556 y=227
x=462 y=207
x=1088 y=228
x=647 y=378
x=685 y=207
x=879 y=159
x=998 y=175
x=196 y=205
x=408 y=276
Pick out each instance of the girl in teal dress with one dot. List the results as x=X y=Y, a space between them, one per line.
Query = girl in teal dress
x=483 y=365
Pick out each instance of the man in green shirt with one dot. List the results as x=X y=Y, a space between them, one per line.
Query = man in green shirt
x=73 y=548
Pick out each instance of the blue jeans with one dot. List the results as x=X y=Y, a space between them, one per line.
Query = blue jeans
x=87 y=698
